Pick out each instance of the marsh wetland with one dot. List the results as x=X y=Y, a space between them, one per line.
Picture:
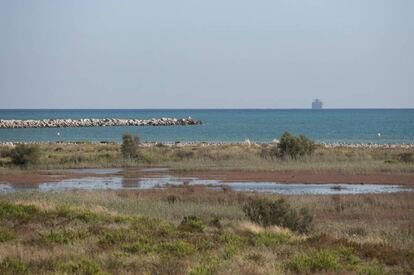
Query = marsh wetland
x=207 y=209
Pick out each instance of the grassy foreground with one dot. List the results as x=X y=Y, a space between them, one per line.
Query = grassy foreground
x=230 y=156
x=147 y=232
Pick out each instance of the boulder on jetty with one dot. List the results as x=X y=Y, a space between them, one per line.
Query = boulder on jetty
x=92 y=122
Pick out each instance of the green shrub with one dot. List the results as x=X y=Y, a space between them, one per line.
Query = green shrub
x=313 y=261
x=167 y=264
x=177 y=248
x=24 y=155
x=163 y=229
x=129 y=147
x=294 y=147
x=233 y=243
x=12 y=266
x=191 y=224
x=116 y=236
x=6 y=235
x=208 y=265
x=84 y=267
x=84 y=216
x=143 y=245
x=271 y=239
x=278 y=212
x=366 y=269
x=62 y=237
x=17 y=212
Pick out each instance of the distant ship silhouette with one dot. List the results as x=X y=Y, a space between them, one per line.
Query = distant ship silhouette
x=317 y=104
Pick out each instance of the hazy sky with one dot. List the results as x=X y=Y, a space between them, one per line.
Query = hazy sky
x=206 y=54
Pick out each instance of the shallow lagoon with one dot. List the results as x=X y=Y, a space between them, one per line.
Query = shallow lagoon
x=111 y=179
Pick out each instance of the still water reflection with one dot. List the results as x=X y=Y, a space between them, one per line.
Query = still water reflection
x=131 y=182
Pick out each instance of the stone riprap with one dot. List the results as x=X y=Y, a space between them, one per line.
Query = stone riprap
x=93 y=122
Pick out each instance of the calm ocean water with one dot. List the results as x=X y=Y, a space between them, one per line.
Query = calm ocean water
x=346 y=125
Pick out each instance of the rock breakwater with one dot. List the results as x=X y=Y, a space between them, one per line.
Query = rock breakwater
x=93 y=122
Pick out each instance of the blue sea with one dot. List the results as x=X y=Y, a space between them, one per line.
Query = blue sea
x=233 y=125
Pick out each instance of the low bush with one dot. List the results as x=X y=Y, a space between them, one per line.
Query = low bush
x=143 y=245
x=13 y=266
x=17 y=212
x=294 y=147
x=271 y=239
x=176 y=248
x=406 y=157
x=313 y=261
x=85 y=216
x=23 y=154
x=278 y=212
x=6 y=235
x=191 y=224
x=129 y=147
x=116 y=236
x=233 y=243
x=81 y=267
x=208 y=265
x=62 y=237
x=371 y=269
